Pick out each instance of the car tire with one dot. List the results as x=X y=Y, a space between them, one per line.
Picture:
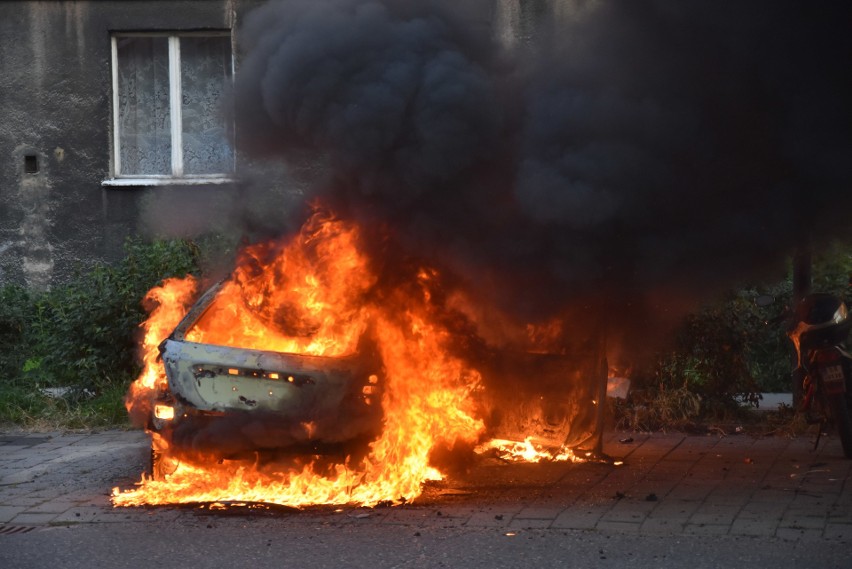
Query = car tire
x=162 y=465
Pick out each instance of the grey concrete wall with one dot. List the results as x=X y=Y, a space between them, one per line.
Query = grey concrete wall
x=55 y=103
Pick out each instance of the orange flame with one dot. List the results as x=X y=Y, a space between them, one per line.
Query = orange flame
x=316 y=295
x=527 y=451
x=307 y=297
x=171 y=300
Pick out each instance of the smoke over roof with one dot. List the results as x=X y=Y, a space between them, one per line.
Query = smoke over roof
x=640 y=146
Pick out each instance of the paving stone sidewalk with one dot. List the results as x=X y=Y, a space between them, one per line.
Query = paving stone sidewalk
x=670 y=484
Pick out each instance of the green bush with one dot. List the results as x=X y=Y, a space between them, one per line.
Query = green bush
x=832 y=270
x=22 y=405
x=722 y=356
x=16 y=313
x=728 y=353
x=83 y=334
x=86 y=332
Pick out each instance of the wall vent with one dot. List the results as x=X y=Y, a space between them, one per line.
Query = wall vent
x=31 y=164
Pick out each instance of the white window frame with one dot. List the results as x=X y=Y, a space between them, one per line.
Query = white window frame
x=177 y=176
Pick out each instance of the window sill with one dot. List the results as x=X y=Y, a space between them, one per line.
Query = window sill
x=141 y=182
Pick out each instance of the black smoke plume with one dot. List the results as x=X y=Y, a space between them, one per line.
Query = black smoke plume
x=632 y=151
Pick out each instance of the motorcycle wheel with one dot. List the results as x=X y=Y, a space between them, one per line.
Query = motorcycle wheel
x=840 y=412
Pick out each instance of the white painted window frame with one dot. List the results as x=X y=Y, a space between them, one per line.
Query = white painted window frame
x=177 y=176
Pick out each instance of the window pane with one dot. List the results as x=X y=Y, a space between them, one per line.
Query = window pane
x=205 y=75
x=144 y=126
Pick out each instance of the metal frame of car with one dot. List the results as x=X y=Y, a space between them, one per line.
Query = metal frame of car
x=336 y=398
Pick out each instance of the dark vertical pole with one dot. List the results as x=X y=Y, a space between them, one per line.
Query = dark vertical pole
x=802 y=278
x=601 y=379
x=600 y=419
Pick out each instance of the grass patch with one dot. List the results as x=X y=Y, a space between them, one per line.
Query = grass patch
x=30 y=408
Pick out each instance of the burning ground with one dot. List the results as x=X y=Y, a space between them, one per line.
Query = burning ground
x=631 y=160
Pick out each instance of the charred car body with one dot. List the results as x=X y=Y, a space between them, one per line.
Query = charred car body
x=234 y=402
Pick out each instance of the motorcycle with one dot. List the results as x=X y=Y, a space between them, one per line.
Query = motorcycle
x=819 y=328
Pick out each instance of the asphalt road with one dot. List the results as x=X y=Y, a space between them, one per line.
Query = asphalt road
x=230 y=543
x=678 y=501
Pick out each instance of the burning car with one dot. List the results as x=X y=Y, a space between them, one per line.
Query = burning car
x=234 y=401
x=313 y=375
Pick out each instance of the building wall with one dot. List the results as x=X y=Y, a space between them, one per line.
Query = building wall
x=55 y=104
